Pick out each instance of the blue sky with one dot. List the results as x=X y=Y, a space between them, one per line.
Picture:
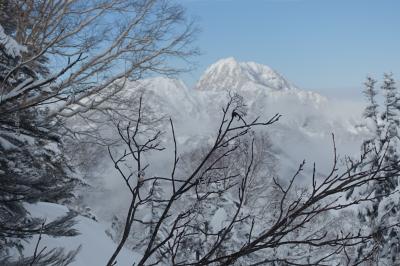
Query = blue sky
x=327 y=46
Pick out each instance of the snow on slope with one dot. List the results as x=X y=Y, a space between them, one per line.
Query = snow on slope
x=308 y=119
x=303 y=132
x=229 y=74
x=96 y=246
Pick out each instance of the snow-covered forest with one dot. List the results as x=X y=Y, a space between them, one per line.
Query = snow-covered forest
x=108 y=158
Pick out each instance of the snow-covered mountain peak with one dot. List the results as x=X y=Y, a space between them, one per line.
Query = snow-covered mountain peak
x=229 y=74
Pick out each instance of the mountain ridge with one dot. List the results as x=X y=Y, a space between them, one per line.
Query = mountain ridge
x=303 y=133
x=228 y=73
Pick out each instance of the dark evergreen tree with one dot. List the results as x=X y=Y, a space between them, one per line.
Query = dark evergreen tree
x=32 y=165
x=388 y=206
x=371 y=111
x=383 y=212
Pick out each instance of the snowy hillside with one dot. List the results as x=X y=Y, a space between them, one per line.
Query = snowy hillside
x=308 y=118
x=303 y=132
x=95 y=246
x=109 y=157
x=230 y=74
